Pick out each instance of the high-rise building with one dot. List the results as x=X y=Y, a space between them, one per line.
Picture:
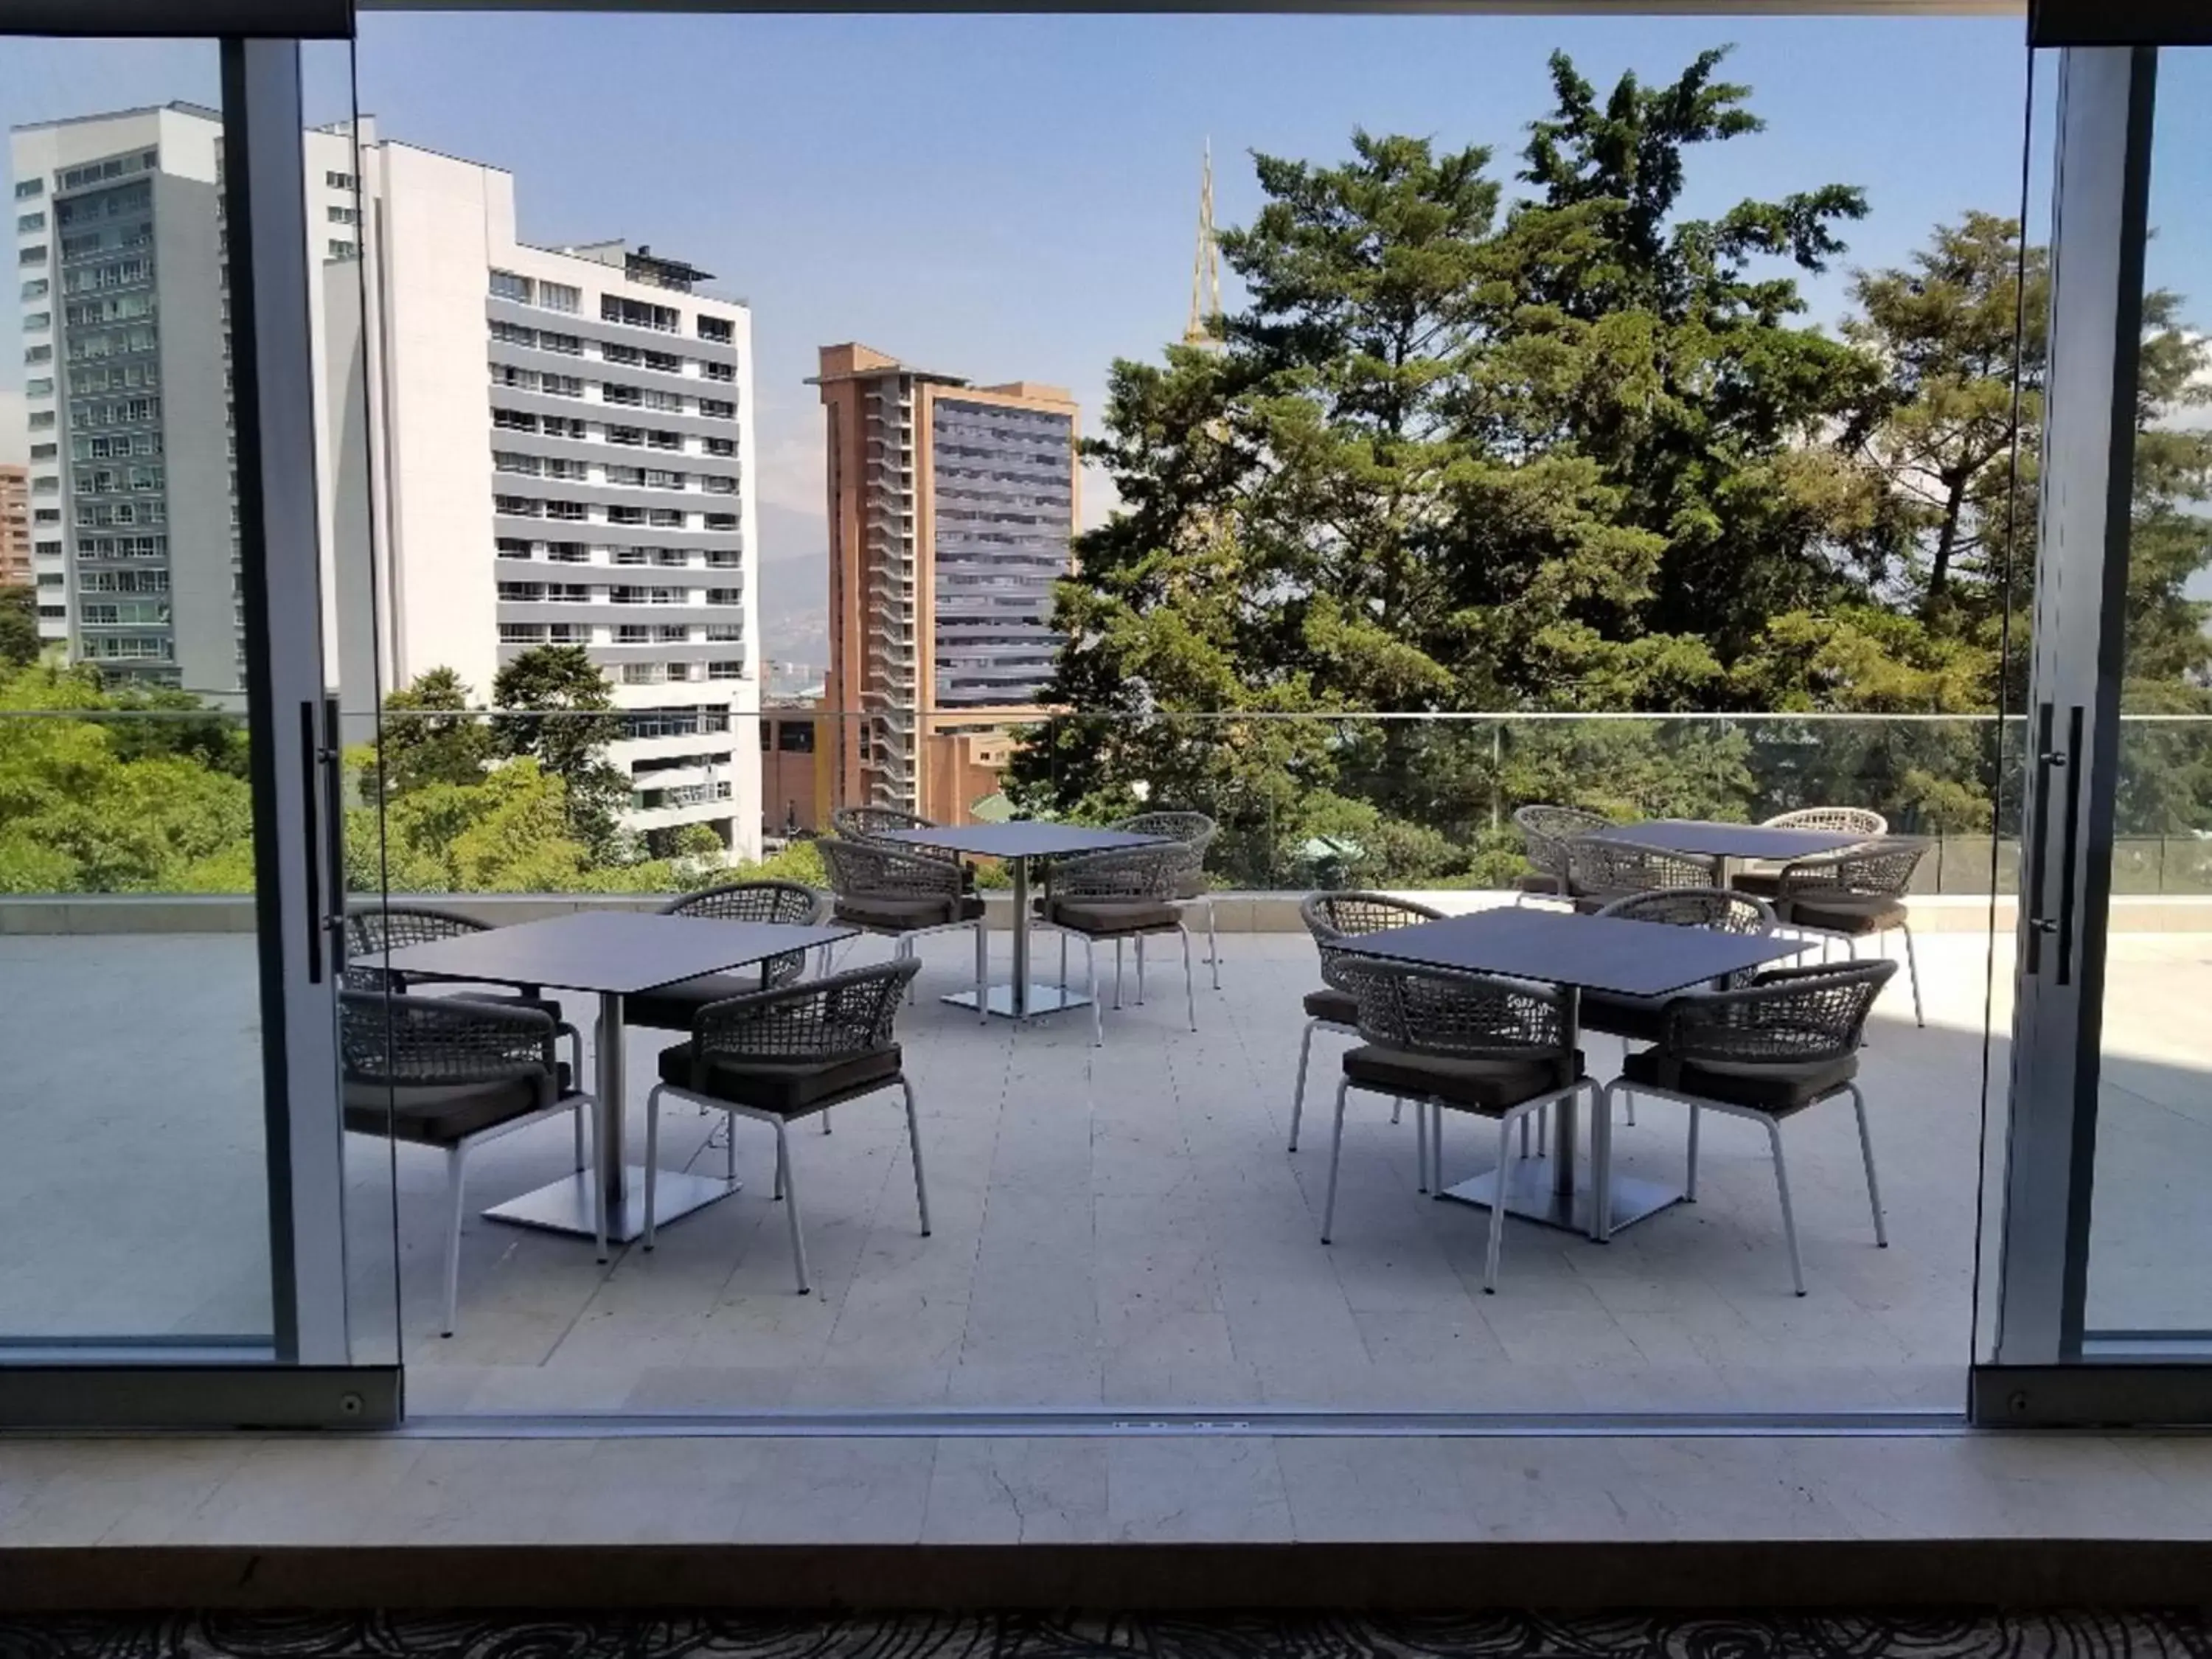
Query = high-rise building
x=952 y=507
x=120 y=250
x=14 y=526
x=564 y=439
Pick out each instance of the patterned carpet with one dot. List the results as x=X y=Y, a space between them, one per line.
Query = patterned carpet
x=923 y=1636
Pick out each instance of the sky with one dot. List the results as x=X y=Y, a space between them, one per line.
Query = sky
x=1009 y=197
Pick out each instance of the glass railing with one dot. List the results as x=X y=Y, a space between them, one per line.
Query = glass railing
x=102 y=795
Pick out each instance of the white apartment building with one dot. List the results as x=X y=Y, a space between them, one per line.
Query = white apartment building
x=560 y=455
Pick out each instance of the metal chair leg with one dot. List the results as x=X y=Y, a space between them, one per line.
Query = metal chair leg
x=1788 y=1215
x=982 y=973
x=914 y=1144
x=1913 y=973
x=1397 y=1110
x=1063 y=959
x=652 y=1153
x=456 y=1175
x=730 y=1151
x=1098 y=1009
x=1436 y=1110
x=1335 y=1158
x=1117 y=975
x=777 y=1193
x=1600 y=1227
x=1689 y=1187
x=1213 y=945
x=1299 y=1096
x=791 y=1206
x=576 y=1122
x=1497 y=1215
x=1420 y=1146
x=1866 y=1153
x=1190 y=979
x=1141 y=970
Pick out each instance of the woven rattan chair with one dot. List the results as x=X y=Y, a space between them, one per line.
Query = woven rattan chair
x=1853 y=895
x=371 y=930
x=1130 y=893
x=1545 y=833
x=1763 y=876
x=896 y=893
x=451 y=1073
x=1470 y=1042
x=1603 y=870
x=776 y=1057
x=1778 y=1047
x=873 y=822
x=789 y=903
x=1197 y=831
x=1335 y=919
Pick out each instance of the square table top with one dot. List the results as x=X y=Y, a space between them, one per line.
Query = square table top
x=1596 y=953
x=1707 y=839
x=1022 y=840
x=608 y=952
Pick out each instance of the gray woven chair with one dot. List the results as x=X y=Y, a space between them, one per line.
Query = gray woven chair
x=873 y=822
x=1762 y=877
x=1131 y=893
x=1197 y=831
x=451 y=1073
x=1469 y=1042
x=1603 y=870
x=897 y=894
x=1853 y=895
x=371 y=930
x=1333 y=919
x=1545 y=833
x=1781 y=1045
x=776 y=1057
x=788 y=903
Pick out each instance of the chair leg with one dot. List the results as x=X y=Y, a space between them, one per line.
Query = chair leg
x=1788 y=1215
x=456 y=1167
x=790 y=1205
x=1628 y=1107
x=1397 y=1110
x=1600 y=1227
x=914 y=1144
x=1335 y=1158
x=653 y=1154
x=1063 y=959
x=1117 y=975
x=1913 y=973
x=1190 y=979
x=777 y=1194
x=730 y=1149
x=1497 y=1215
x=1098 y=1009
x=1866 y=1153
x=1436 y=1110
x=1213 y=945
x=1420 y=1146
x=1141 y=970
x=982 y=975
x=1690 y=1186
x=576 y=1122
x=1299 y=1096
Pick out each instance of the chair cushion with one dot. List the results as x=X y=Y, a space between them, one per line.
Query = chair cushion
x=1538 y=881
x=1760 y=884
x=670 y=1007
x=1846 y=913
x=1640 y=1019
x=1477 y=1085
x=904 y=915
x=1338 y=1007
x=1104 y=918
x=1781 y=1088
x=788 y=1088
x=444 y=1113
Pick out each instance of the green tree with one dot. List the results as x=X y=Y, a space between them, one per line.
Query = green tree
x=428 y=734
x=556 y=707
x=19 y=627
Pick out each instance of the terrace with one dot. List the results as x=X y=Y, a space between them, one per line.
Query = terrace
x=1115 y=1227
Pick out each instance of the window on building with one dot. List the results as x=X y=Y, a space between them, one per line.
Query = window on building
x=569 y=511
x=721 y=521
x=664 y=441
x=44 y=451
x=35 y=320
x=715 y=484
x=38 y=354
x=343 y=215
x=522 y=633
x=792 y=737
x=625 y=475
x=630 y=436
x=719 y=371
x=513 y=420
x=27 y=188
x=663 y=518
x=511 y=547
x=629 y=396
x=37 y=289
x=507 y=461
x=659 y=479
x=631 y=555
x=568 y=552
x=522 y=592
x=507 y=285
x=719 y=446
x=341 y=181
x=518 y=507
x=718 y=409
x=725 y=596
x=566 y=345
x=560 y=385
x=637 y=314
x=341 y=250
x=725 y=633
x=559 y=296
x=718 y=329
x=35 y=255
x=26 y=222
x=667 y=362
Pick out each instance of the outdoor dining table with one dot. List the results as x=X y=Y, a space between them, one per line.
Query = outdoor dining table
x=1017 y=844
x=1724 y=842
x=612 y=954
x=1576 y=953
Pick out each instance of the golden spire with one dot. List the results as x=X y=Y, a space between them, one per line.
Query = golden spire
x=1205 y=268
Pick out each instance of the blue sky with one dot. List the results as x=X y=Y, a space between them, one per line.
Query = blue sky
x=1014 y=197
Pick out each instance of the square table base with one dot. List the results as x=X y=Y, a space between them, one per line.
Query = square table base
x=1043 y=999
x=565 y=1206
x=1529 y=1194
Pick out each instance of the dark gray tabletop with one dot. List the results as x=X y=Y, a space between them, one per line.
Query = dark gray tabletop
x=1730 y=841
x=619 y=951
x=1022 y=841
x=1597 y=953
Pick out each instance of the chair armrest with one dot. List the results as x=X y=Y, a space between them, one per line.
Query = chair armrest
x=818 y=1019
x=1787 y=1016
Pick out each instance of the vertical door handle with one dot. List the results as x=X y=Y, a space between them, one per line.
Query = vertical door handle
x=311 y=807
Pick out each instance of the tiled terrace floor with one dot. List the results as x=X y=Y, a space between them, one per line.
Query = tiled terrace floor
x=1119 y=1226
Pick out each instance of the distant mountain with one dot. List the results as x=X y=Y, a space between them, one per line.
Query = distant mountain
x=794 y=586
